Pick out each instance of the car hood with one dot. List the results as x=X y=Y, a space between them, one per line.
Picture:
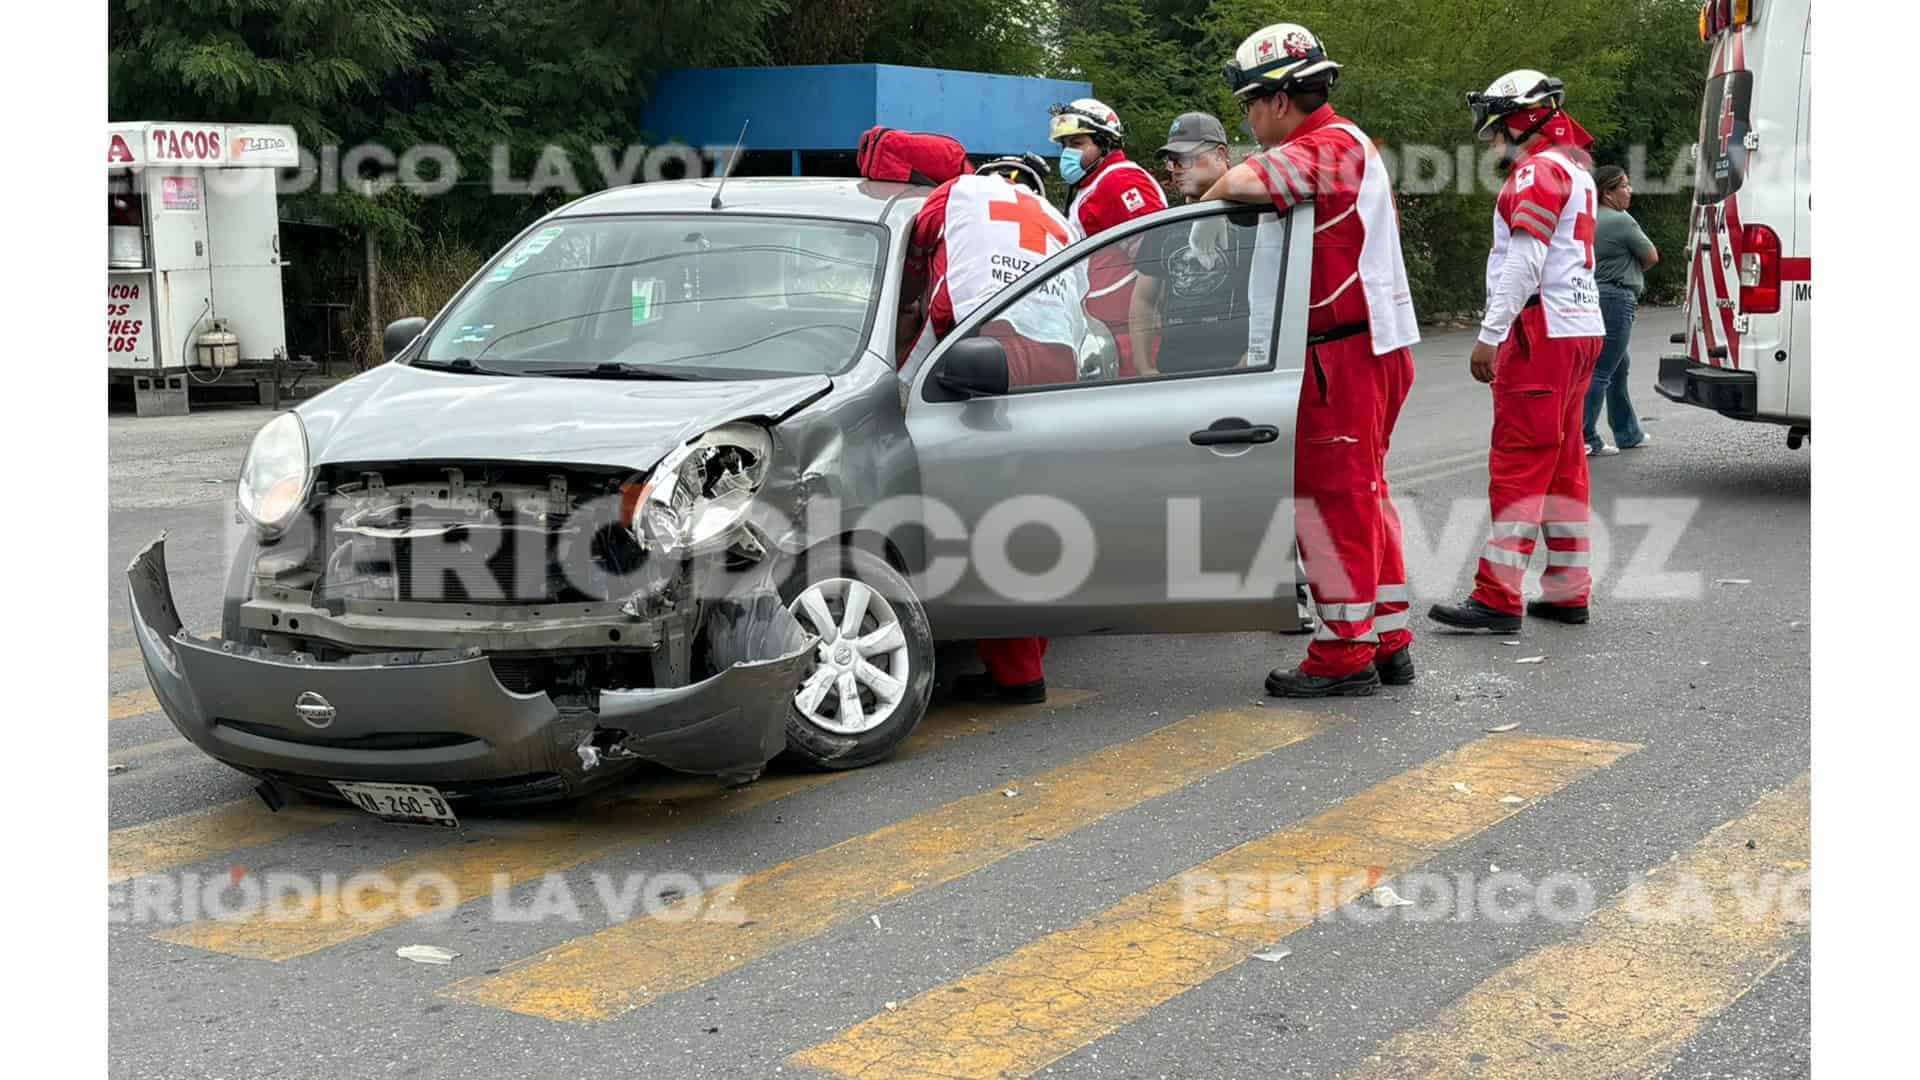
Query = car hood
x=401 y=413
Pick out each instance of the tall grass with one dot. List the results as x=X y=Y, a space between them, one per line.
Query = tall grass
x=413 y=283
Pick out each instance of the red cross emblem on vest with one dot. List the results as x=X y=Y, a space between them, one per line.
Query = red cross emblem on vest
x=1035 y=223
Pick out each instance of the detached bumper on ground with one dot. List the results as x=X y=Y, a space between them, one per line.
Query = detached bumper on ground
x=442 y=718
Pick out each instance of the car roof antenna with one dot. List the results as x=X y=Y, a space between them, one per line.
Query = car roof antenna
x=731 y=158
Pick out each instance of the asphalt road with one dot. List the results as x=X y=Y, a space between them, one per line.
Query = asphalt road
x=1079 y=889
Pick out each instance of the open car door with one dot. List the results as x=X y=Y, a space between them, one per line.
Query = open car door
x=1069 y=492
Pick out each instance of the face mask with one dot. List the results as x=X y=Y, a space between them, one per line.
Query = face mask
x=1071 y=169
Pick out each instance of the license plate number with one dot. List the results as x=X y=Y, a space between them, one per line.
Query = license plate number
x=409 y=804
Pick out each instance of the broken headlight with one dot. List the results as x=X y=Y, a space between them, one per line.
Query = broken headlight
x=699 y=493
x=273 y=480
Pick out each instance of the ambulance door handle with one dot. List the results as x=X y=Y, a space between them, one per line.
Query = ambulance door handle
x=1234 y=430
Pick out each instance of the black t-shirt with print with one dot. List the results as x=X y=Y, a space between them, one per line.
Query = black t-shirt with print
x=1203 y=312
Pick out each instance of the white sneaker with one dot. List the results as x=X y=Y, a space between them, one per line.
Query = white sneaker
x=1605 y=450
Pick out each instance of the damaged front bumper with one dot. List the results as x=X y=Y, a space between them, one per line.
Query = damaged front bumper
x=441 y=717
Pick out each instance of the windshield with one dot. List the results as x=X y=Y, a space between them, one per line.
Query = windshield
x=703 y=296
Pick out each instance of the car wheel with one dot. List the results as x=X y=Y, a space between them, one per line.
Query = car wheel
x=873 y=663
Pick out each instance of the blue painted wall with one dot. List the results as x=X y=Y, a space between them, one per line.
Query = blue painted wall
x=828 y=106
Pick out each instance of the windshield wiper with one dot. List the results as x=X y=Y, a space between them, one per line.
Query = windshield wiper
x=462 y=364
x=617 y=370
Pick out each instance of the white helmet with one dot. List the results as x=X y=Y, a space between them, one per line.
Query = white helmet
x=1516 y=91
x=1279 y=57
x=1086 y=116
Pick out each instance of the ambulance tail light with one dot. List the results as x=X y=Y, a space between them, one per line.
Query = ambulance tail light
x=1717 y=16
x=1759 y=270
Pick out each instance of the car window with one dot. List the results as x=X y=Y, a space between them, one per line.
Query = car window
x=733 y=297
x=1193 y=296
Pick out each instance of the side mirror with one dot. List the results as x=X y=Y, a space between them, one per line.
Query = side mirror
x=400 y=334
x=975 y=367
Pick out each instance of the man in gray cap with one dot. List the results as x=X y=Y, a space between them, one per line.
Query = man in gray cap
x=1196 y=153
x=1189 y=310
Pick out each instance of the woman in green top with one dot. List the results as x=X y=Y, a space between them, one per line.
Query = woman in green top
x=1622 y=253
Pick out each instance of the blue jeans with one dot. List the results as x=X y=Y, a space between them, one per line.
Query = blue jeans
x=1617 y=306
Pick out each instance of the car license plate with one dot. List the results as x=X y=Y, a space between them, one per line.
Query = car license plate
x=408 y=804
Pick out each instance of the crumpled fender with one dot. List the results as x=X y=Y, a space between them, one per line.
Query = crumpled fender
x=735 y=722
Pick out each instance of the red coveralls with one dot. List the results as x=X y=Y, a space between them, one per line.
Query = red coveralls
x=1350 y=399
x=1010 y=661
x=1115 y=192
x=1537 y=463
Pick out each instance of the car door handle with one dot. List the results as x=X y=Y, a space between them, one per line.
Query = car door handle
x=1220 y=434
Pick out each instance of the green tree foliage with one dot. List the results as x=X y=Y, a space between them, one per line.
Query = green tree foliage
x=1004 y=37
x=468 y=75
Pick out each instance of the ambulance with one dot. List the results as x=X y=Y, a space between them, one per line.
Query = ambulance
x=1749 y=295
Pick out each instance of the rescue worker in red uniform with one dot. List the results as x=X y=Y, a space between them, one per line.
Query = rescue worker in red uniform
x=967 y=232
x=1106 y=189
x=1360 y=324
x=990 y=221
x=1538 y=343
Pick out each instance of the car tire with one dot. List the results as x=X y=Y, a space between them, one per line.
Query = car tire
x=892 y=685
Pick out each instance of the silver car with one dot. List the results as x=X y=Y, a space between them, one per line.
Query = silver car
x=653 y=487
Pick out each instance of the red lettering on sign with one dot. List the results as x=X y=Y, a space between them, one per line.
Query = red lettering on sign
x=213 y=145
x=117 y=150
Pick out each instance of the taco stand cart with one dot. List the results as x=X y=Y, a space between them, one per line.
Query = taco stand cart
x=193 y=257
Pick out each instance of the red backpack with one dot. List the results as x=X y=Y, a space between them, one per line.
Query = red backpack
x=910 y=157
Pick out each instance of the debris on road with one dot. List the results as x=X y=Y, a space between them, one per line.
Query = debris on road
x=1009 y=793
x=1509 y=643
x=1273 y=955
x=1512 y=800
x=425 y=954
x=1462 y=788
x=116 y=767
x=1384 y=896
x=1498 y=728
x=1732 y=581
x=876 y=921
x=1531 y=660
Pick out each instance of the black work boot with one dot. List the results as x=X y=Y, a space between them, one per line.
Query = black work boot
x=1294 y=683
x=1396 y=669
x=1560 y=613
x=1471 y=614
x=980 y=687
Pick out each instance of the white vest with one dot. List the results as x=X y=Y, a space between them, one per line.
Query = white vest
x=1383 y=272
x=995 y=233
x=1567 y=289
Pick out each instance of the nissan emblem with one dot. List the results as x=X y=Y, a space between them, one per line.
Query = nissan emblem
x=315 y=710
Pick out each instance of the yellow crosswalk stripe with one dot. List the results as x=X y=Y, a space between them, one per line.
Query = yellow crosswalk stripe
x=1645 y=972
x=1017 y=1014
x=468 y=871
x=132 y=703
x=189 y=838
x=629 y=965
